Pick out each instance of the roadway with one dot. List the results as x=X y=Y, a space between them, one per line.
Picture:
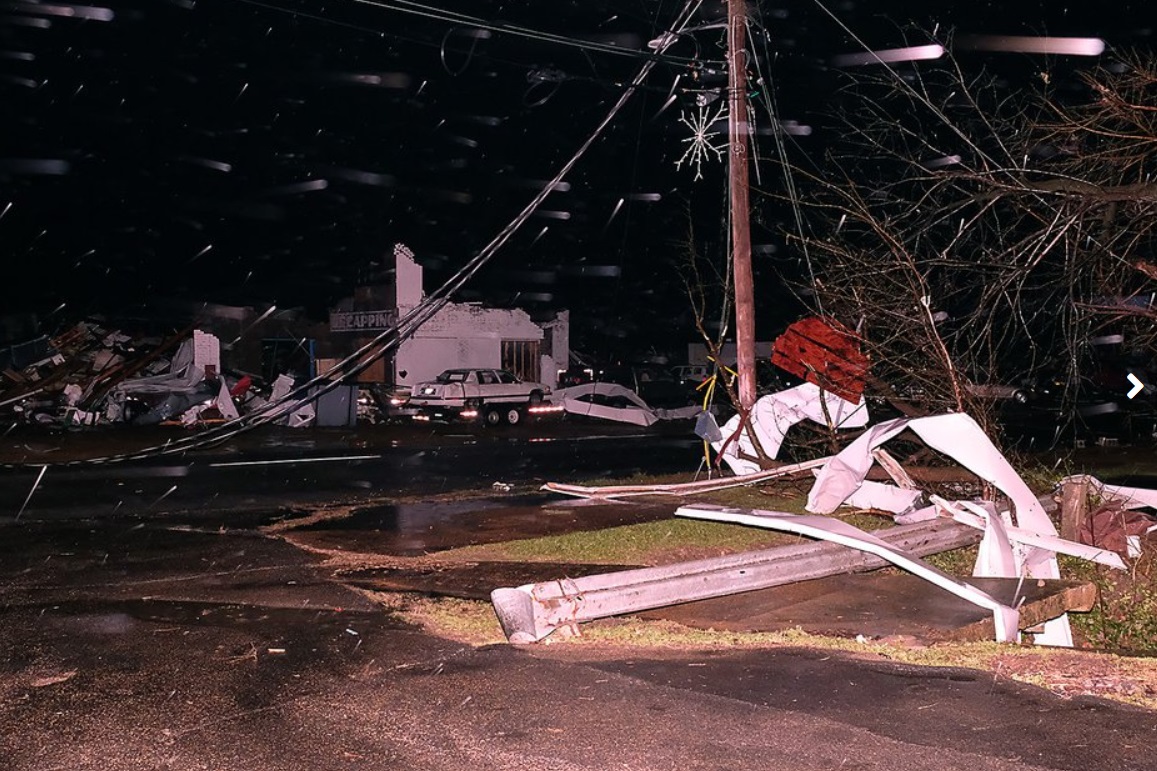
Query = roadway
x=147 y=621
x=280 y=467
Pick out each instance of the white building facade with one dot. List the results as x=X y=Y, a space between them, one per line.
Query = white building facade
x=458 y=335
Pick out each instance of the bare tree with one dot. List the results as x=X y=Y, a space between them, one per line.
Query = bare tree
x=710 y=295
x=977 y=234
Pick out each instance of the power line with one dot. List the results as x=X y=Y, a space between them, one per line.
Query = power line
x=390 y=339
x=456 y=18
x=432 y=12
x=770 y=102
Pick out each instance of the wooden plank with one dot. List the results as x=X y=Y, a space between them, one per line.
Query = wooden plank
x=893 y=469
x=684 y=488
x=1074 y=507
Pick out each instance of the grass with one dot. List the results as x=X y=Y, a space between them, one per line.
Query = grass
x=1125 y=617
x=471 y=622
x=1111 y=462
x=660 y=542
x=648 y=543
x=958 y=562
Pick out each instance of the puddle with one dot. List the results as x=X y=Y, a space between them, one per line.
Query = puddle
x=282 y=442
x=414 y=529
x=410 y=518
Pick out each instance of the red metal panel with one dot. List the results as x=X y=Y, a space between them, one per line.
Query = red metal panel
x=824 y=352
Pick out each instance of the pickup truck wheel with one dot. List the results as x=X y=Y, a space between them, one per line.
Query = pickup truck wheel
x=491 y=416
x=513 y=416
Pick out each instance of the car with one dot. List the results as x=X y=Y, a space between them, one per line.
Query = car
x=492 y=395
x=692 y=374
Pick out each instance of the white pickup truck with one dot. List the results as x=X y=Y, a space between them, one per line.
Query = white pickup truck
x=494 y=395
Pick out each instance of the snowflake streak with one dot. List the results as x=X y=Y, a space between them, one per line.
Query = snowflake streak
x=700 y=142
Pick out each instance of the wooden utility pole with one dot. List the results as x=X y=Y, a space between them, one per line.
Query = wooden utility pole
x=738 y=131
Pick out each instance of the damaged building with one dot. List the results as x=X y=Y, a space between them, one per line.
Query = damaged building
x=459 y=335
x=223 y=360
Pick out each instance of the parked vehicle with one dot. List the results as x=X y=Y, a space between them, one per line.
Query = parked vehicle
x=492 y=395
x=692 y=374
x=1083 y=404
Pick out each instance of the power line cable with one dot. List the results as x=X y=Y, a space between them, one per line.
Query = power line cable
x=768 y=96
x=906 y=86
x=432 y=12
x=454 y=17
x=390 y=339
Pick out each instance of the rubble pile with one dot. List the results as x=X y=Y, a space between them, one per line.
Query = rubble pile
x=91 y=375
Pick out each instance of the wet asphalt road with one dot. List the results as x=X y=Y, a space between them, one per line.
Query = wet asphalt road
x=158 y=639
x=154 y=645
x=289 y=467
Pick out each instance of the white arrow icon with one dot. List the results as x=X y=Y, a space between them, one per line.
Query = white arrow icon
x=1137 y=388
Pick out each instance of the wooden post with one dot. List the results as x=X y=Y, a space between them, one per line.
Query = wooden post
x=738 y=129
x=1074 y=507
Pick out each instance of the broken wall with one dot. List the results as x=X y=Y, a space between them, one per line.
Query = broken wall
x=242 y=329
x=418 y=360
x=555 y=347
x=407 y=286
x=457 y=336
x=461 y=336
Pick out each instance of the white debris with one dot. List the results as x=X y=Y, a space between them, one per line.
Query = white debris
x=611 y=401
x=959 y=437
x=774 y=414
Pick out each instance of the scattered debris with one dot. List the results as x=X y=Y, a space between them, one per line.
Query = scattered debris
x=1005 y=617
x=1015 y=545
x=1117 y=529
x=959 y=437
x=775 y=413
x=685 y=488
x=1115 y=524
x=825 y=353
x=91 y=376
x=47 y=680
x=611 y=401
x=31 y=492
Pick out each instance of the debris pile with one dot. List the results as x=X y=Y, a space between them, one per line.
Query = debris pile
x=92 y=375
x=611 y=401
x=1018 y=541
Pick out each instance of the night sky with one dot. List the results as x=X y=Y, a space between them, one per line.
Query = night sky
x=273 y=152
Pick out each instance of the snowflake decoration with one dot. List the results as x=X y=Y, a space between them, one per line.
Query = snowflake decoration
x=700 y=141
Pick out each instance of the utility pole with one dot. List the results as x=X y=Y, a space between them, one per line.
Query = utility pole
x=738 y=130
